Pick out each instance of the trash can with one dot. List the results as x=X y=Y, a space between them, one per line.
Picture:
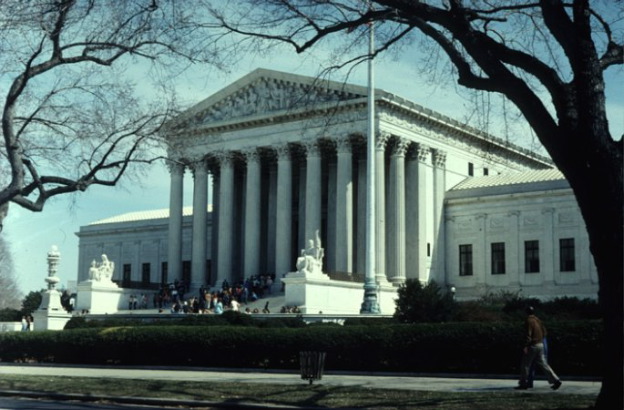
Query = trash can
x=312 y=364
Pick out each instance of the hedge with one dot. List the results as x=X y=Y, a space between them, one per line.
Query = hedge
x=495 y=348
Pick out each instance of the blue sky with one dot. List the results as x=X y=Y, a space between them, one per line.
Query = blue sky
x=31 y=235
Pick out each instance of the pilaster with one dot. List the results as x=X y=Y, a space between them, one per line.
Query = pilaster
x=380 y=207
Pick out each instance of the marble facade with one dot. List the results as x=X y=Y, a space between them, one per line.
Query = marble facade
x=284 y=158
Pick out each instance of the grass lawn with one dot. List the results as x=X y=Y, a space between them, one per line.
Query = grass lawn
x=296 y=395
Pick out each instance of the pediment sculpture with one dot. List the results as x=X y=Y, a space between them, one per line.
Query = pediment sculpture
x=268 y=95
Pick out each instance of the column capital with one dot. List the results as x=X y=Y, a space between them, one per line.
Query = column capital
x=199 y=165
x=381 y=140
x=251 y=155
x=312 y=149
x=224 y=157
x=439 y=158
x=283 y=151
x=399 y=149
x=343 y=145
x=175 y=167
x=419 y=152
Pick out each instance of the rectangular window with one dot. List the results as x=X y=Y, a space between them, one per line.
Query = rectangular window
x=465 y=260
x=145 y=274
x=486 y=171
x=531 y=257
x=428 y=249
x=567 y=262
x=498 y=258
x=127 y=275
x=471 y=169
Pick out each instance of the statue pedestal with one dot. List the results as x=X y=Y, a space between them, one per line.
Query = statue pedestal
x=314 y=294
x=98 y=297
x=50 y=315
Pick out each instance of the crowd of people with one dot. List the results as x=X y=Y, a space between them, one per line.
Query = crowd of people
x=173 y=297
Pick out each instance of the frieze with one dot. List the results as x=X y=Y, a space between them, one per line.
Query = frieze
x=530 y=220
x=566 y=218
x=496 y=223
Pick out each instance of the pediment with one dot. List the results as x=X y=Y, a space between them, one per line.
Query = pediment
x=265 y=93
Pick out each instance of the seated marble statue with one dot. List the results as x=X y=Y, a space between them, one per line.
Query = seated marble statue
x=311 y=259
x=103 y=271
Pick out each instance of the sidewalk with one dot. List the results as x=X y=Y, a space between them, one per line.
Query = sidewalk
x=451 y=383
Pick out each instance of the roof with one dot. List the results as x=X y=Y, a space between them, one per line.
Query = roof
x=527 y=177
x=144 y=216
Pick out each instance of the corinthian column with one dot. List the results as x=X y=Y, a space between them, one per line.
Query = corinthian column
x=396 y=214
x=344 y=207
x=226 y=218
x=252 y=215
x=439 y=237
x=313 y=190
x=380 y=207
x=283 y=231
x=422 y=154
x=174 y=253
x=200 y=203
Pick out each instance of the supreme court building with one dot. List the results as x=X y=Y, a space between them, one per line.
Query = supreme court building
x=284 y=157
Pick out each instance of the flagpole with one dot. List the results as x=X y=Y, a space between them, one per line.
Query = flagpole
x=370 y=303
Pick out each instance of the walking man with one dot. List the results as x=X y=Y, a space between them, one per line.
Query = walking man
x=534 y=352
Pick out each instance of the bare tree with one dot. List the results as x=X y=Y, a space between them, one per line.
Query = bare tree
x=548 y=57
x=72 y=114
x=10 y=293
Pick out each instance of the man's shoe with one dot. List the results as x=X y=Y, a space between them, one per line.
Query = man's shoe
x=556 y=385
x=521 y=387
x=529 y=385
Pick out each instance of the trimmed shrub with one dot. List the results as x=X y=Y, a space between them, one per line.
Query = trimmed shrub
x=449 y=347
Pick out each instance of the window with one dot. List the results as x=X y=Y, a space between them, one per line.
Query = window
x=428 y=249
x=486 y=171
x=498 y=258
x=465 y=260
x=127 y=275
x=531 y=257
x=145 y=274
x=471 y=169
x=567 y=261
x=163 y=273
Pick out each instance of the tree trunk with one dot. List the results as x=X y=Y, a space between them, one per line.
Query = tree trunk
x=598 y=188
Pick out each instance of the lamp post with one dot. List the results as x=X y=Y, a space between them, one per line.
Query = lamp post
x=370 y=303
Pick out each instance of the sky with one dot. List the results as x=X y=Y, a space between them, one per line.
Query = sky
x=31 y=235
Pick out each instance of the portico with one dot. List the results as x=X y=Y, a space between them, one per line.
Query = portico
x=286 y=155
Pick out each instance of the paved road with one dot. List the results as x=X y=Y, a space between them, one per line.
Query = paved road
x=380 y=381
